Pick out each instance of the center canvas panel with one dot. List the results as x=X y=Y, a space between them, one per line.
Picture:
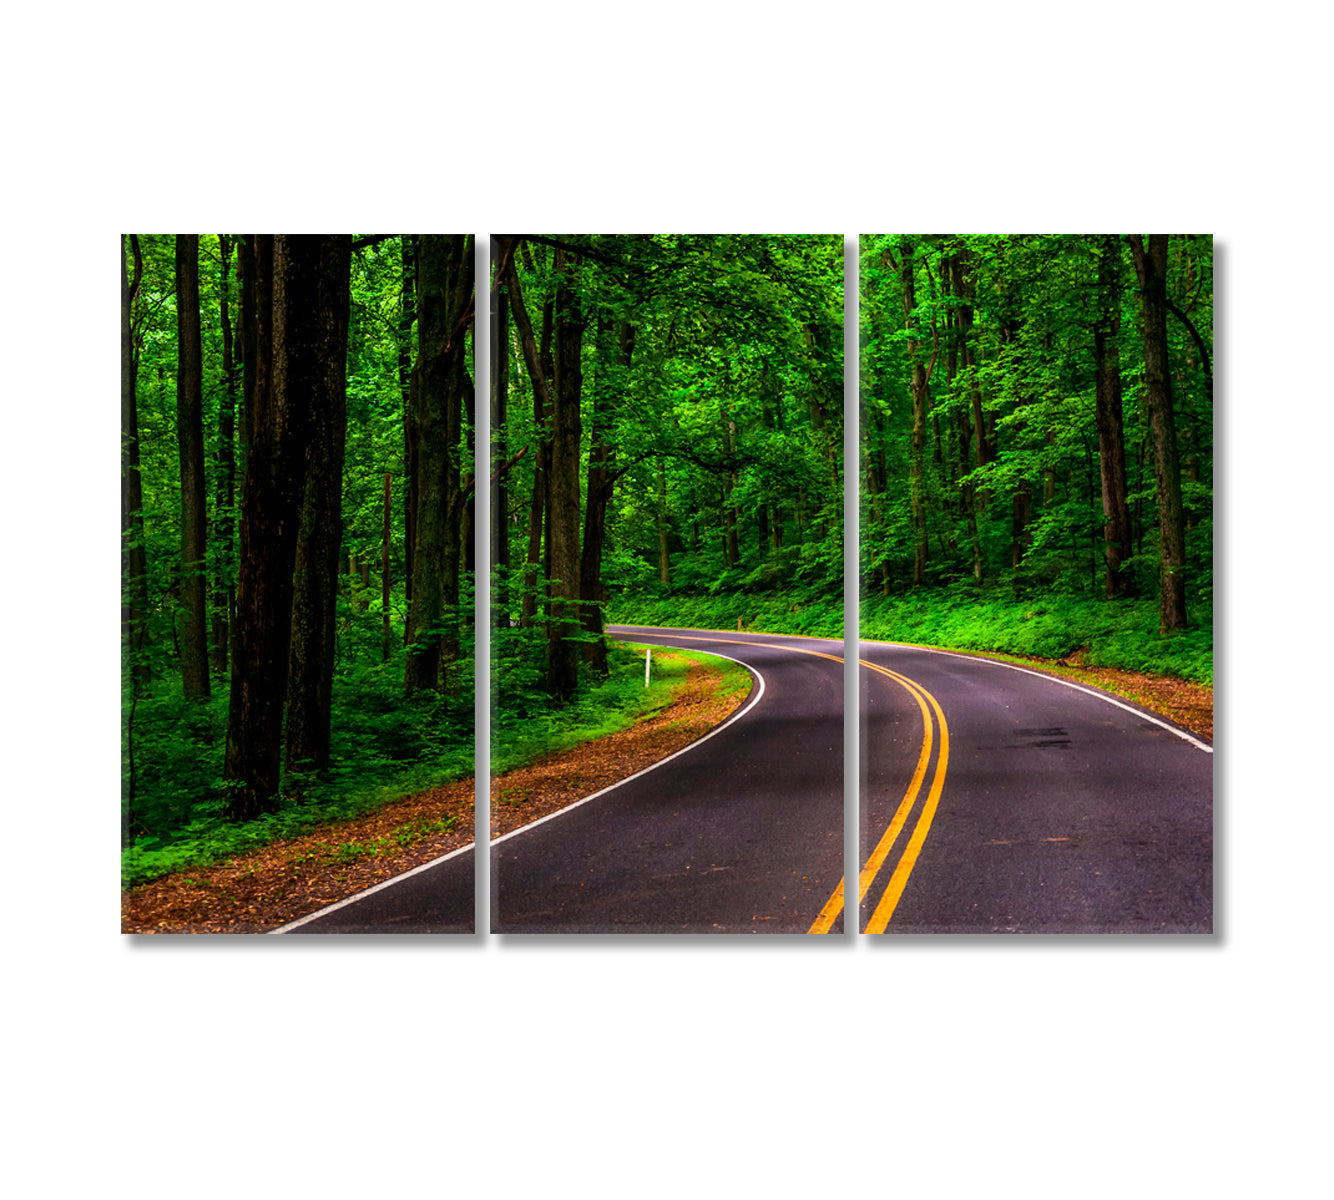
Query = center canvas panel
x=667 y=576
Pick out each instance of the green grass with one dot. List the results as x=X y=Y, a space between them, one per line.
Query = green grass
x=1122 y=634
x=604 y=708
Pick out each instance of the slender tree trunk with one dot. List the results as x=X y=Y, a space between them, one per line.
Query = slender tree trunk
x=566 y=431
x=664 y=548
x=287 y=374
x=500 y=495
x=1151 y=266
x=190 y=433
x=224 y=590
x=134 y=610
x=1111 y=435
x=246 y=344
x=542 y=403
x=319 y=539
x=407 y=381
x=386 y=544
x=921 y=375
x=601 y=462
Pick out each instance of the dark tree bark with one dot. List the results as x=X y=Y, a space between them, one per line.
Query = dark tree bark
x=319 y=537
x=407 y=380
x=1151 y=267
x=538 y=372
x=287 y=373
x=500 y=385
x=386 y=543
x=224 y=592
x=1111 y=432
x=566 y=430
x=246 y=344
x=190 y=436
x=134 y=605
x=601 y=482
x=921 y=379
x=444 y=312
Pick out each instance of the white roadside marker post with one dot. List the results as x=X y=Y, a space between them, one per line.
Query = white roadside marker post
x=648 y=659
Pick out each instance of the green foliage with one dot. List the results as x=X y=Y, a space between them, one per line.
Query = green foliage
x=600 y=708
x=1054 y=626
x=808 y=613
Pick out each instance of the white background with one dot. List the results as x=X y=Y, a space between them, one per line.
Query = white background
x=263 y=1067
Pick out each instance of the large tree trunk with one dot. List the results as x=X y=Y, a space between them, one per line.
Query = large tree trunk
x=134 y=605
x=1111 y=435
x=444 y=299
x=288 y=372
x=1151 y=266
x=190 y=435
x=315 y=581
x=566 y=430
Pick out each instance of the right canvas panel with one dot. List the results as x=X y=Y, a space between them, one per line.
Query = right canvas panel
x=1036 y=566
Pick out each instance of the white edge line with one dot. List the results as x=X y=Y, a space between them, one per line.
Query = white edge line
x=379 y=887
x=736 y=716
x=995 y=662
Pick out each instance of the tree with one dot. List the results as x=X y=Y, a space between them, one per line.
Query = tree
x=134 y=605
x=442 y=382
x=1111 y=436
x=320 y=534
x=190 y=430
x=288 y=373
x=1151 y=267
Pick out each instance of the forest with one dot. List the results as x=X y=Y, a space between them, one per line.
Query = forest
x=297 y=499
x=666 y=445
x=1036 y=445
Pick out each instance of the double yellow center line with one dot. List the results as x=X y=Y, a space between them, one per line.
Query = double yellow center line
x=889 y=899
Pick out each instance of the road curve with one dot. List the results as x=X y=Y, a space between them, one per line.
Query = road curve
x=740 y=833
x=1000 y=800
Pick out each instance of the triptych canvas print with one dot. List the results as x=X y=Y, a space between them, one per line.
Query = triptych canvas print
x=704 y=584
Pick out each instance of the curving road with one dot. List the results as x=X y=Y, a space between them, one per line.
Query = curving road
x=998 y=800
x=993 y=800
x=740 y=833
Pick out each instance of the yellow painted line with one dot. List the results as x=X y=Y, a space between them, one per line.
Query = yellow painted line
x=890 y=836
x=899 y=879
x=889 y=901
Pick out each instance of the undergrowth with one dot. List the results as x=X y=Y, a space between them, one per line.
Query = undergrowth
x=1053 y=625
x=602 y=708
x=384 y=746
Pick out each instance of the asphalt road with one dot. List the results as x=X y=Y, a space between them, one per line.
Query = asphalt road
x=993 y=800
x=1055 y=810
x=740 y=833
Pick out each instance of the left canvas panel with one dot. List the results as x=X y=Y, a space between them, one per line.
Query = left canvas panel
x=298 y=677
